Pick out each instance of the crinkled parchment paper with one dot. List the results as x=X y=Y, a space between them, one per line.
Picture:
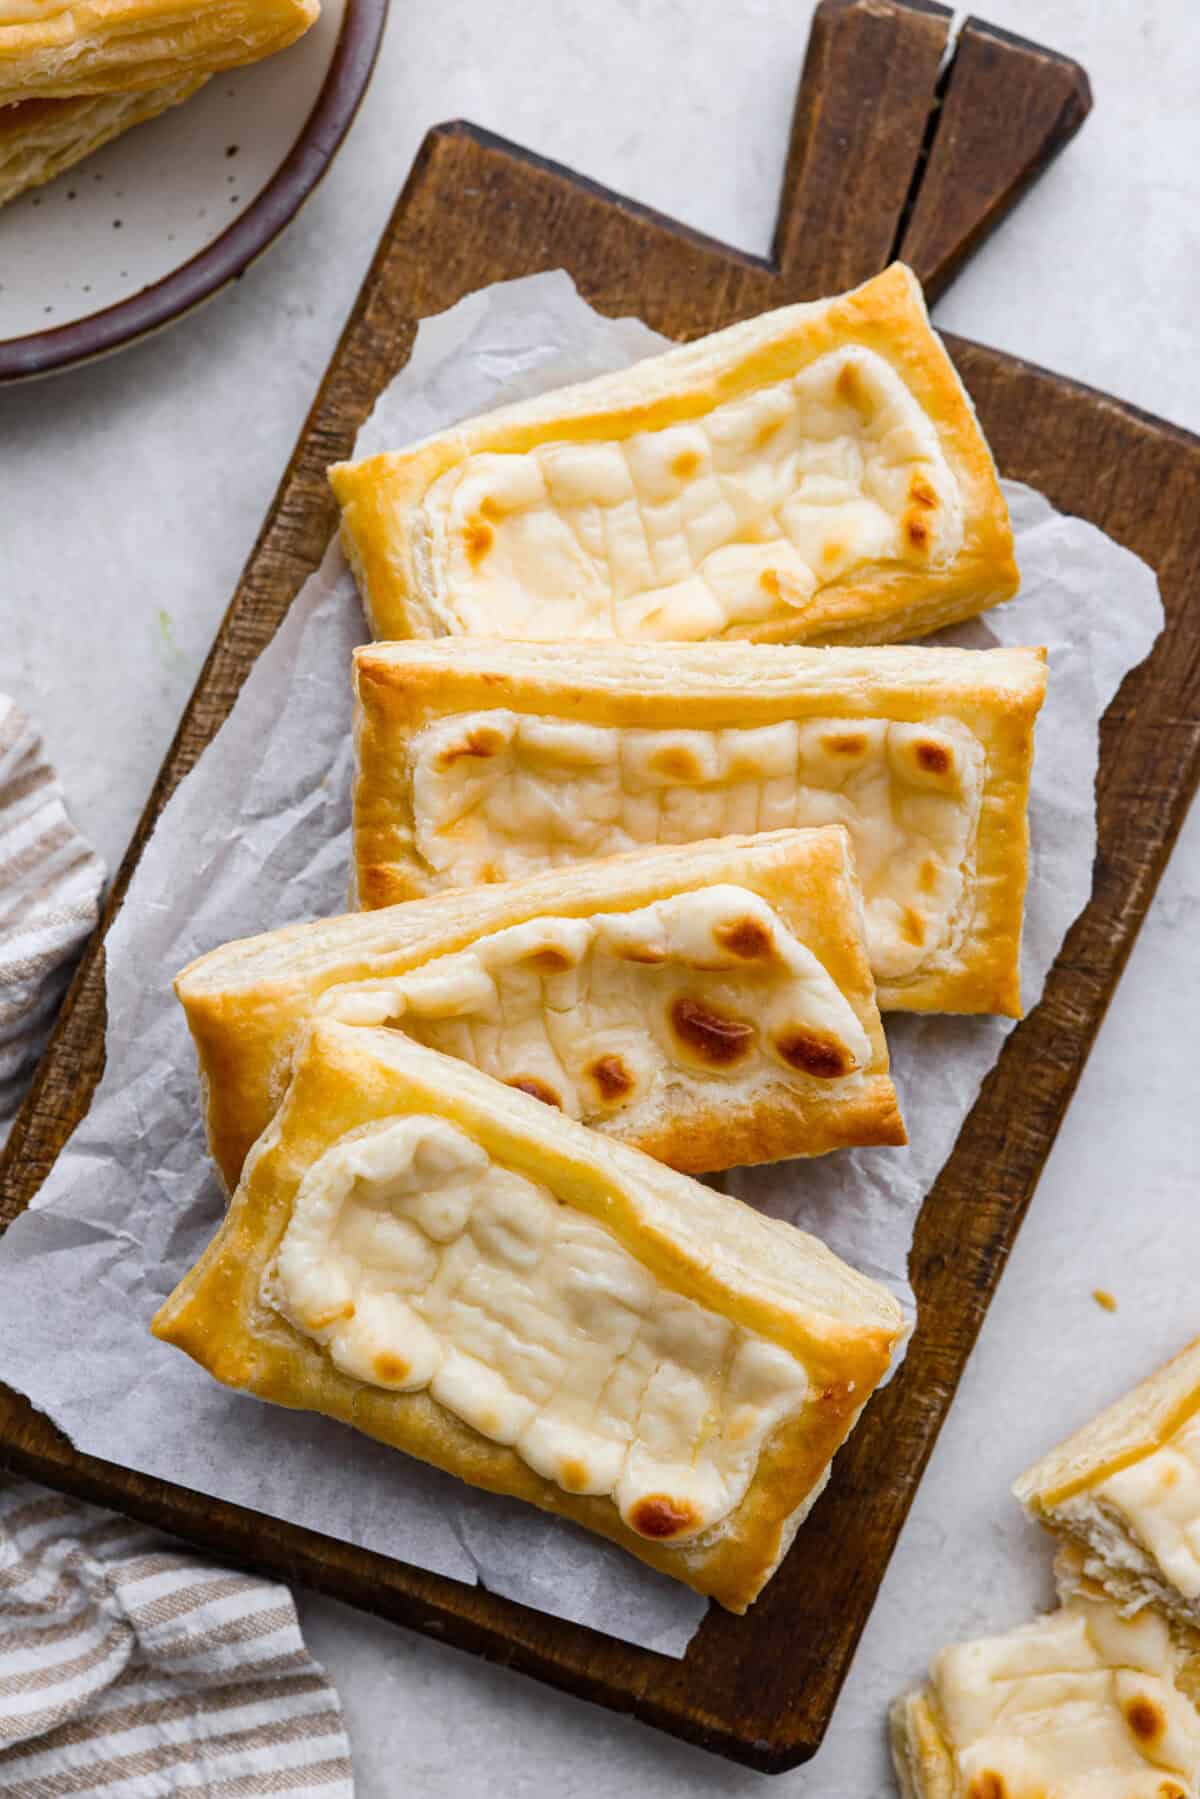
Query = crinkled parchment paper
x=257 y=836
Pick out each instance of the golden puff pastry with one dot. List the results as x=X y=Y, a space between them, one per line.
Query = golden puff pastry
x=711 y=1004
x=1124 y=1493
x=479 y=761
x=39 y=139
x=1084 y=1703
x=815 y=475
x=476 y=1279
x=53 y=50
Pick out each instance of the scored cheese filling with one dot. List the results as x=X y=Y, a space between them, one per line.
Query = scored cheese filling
x=739 y=516
x=1144 y=1521
x=497 y=794
x=602 y=1014
x=422 y=1264
x=1078 y=1705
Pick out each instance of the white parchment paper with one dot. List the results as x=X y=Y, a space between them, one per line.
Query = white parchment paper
x=258 y=836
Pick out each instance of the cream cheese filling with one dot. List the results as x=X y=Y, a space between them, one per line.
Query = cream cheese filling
x=1157 y=1501
x=605 y=1014
x=1078 y=1705
x=498 y=794
x=422 y=1264
x=734 y=518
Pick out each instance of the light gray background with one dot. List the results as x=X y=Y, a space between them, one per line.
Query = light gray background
x=132 y=493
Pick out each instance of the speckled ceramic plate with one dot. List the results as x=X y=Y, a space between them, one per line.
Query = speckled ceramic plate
x=135 y=236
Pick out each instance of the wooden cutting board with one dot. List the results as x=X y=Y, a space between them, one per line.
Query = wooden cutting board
x=891 y=154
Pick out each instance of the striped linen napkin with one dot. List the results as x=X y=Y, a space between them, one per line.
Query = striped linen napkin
x=130 y=1669
x=49 y=900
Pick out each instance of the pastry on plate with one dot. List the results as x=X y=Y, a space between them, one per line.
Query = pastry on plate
x=1084 y=1703
x=39 y=139
x=53 y=50
x=479 y=761
x=815 y=475
x=1124 y=1493
x=711 y=1004
x=475 y=1278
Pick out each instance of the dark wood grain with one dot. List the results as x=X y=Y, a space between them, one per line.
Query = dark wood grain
x=1007 y=107
x=759 y=1689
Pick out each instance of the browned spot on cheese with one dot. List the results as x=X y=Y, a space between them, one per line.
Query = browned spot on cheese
x=490 y=873
x=921 y=494
x=1169 y=1790
x=478 y=538
x=323 y=1320
x=657 y=1516
x=846 y=386
x=685 y=464
x=711 y=1036
x=492 y=509
x=934 y=758
x=529 y=1083
x=845 y=743
x=916 y=531
x=928 y=878
x=987 y=1786
x=610 y=1077
x=482 y=742
x=769 y=582
x=547 y=961
x=748 y=938
x=573 y=1476
x=912 y=926
x=1104 y=1298
x=1145 y=1719
x=677 y=763
x=1169 y=1477
x=833 y=551
x=389 y=1367
x=766 y=431
x=815 y=1053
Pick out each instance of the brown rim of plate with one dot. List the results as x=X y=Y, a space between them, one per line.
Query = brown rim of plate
x=42 y=352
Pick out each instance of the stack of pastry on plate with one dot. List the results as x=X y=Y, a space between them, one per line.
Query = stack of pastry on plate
x=637 y=874
x=74 y=76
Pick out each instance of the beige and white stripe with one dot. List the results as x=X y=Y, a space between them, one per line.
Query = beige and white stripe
x=50 y=884
x=132 y=1669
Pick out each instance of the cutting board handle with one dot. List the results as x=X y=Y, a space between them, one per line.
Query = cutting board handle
x=904 y=146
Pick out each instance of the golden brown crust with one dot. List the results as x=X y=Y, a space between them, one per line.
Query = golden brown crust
x=40 y=139
x=996 y=694
x=126 y=46
x=885 y=602
x=766 y=1276
x=246 y=1002
x=1137 y=1424
x=922 y=1760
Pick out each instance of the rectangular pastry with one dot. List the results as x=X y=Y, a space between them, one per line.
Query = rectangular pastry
x=53 y=50
x=1082 y=1704
x=484 y=1283
x=479 y=761
x=39 y=139
x=711 y=1004
x=1124 y=1492
x=816 y=475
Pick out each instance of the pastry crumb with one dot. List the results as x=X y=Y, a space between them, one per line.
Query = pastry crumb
x=1104 y=1298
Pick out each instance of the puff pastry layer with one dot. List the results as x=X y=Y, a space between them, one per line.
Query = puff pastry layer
x=39 y=139
x=480 y=761
x=1082 y=1704
x=815 y=475
x=1124 y=1493
x=53 y=50
x=711 y=1004
x=474 y=1278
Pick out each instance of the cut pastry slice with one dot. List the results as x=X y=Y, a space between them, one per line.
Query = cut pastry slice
x=39 y=139
x=474 y=1278
x=53 y=50
x=1081 y=1704
x=816 y=475
x=711 y=1004
x=1125 y=1493
x=480 y=761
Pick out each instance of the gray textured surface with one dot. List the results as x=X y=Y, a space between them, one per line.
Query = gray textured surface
x=685 y=106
